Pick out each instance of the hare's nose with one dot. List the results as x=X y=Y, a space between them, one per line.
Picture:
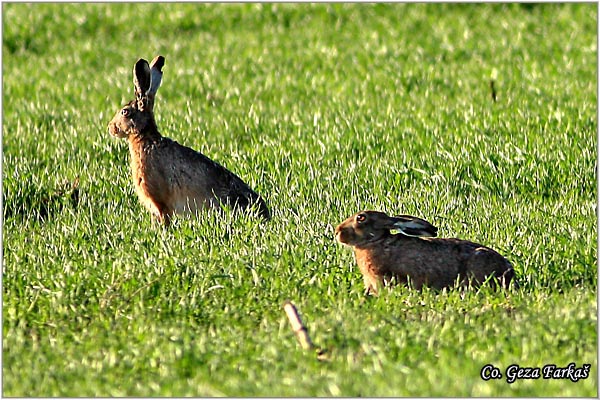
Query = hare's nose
x=338 y=235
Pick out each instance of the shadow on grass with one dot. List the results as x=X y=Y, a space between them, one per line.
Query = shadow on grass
x=40 y=203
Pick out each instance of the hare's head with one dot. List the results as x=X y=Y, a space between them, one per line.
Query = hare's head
x=370 y=226
x=137 y=116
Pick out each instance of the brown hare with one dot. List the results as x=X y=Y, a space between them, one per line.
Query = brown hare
x=170 y=178
x=414 y=256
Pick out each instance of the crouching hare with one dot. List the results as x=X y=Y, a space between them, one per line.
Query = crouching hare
x=171 y=178
x=415 y=256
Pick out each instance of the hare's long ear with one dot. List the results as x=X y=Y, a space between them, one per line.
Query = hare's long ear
x=413 y=226
x=141 y=78
x=156 y=74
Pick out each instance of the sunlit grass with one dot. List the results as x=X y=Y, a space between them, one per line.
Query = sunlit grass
x=324 y=110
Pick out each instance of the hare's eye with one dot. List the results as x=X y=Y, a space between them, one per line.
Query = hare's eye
x=361 y=218
x=125 y=112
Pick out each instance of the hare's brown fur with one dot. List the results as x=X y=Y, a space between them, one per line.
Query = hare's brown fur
x=170 y=178
x=385 y=258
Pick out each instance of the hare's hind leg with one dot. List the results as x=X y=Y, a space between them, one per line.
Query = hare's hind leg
x=507 y=278
x=487 y=265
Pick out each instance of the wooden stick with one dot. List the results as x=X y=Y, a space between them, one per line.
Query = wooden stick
x=297 y=325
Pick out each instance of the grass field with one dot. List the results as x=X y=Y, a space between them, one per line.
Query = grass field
x=325 y=110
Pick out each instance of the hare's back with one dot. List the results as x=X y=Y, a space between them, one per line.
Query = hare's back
x=423 y=260
x=199 y=176
x=438 y=253
x=478 y=261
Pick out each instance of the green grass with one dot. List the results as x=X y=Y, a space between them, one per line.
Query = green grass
x=325 y=110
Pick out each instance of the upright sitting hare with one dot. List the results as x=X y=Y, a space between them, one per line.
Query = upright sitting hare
x=170 y=178
x=414 y=255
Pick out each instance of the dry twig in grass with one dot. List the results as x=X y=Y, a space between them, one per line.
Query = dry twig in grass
x=300 y=330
